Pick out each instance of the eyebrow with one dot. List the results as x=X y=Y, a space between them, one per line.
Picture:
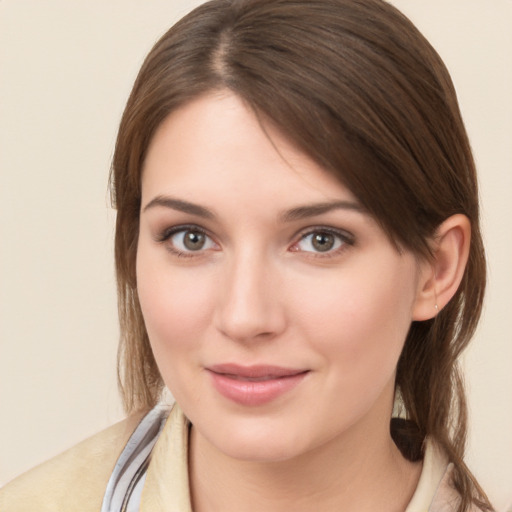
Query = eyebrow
x=294 y=214
x=304 y=212
x=181 y=206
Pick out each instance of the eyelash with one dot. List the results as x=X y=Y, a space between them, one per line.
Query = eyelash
x=166 y=234
x=346 y=239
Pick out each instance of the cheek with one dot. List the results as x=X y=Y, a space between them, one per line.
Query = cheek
x=359 y=320
x=176 y=309
x=175 y=304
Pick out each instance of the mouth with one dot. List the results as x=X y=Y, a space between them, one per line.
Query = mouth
x=254 y=379
x=254 y=385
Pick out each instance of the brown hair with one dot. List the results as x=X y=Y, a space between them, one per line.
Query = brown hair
x=356 y=86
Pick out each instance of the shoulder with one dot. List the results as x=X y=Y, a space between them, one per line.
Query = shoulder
x=436 y=491
x=447 y=499
x=74 y=480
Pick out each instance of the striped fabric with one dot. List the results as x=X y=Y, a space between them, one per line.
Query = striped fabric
x=124 y=489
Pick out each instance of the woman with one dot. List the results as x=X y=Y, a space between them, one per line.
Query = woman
x=297 y=249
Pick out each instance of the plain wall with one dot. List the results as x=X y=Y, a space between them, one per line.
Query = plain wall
x=66 y=70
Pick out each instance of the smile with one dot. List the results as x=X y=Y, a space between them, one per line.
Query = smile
x=254 y=385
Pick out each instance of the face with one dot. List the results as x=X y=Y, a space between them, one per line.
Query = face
x=275 y=305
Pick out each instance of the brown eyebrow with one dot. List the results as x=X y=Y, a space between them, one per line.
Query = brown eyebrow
x=298 y=213
x=303 y=212
x=181 y=206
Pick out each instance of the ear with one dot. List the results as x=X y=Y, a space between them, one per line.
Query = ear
x=440 y=277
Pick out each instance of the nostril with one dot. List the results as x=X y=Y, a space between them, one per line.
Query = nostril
x=251 y=326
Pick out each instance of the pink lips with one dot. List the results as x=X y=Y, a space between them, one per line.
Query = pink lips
x=254 y=385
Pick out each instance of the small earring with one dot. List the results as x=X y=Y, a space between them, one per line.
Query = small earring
x=435 y=296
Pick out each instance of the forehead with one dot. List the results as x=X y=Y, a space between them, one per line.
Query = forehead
x=215 y=146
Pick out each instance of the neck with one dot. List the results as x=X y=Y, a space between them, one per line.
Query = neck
x=357 y=472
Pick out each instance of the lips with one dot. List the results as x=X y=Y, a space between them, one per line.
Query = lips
x=254 y=385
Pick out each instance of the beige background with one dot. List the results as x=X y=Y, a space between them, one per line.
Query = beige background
x=66 y=69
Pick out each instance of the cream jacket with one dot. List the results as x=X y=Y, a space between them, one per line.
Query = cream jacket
x=75 y=481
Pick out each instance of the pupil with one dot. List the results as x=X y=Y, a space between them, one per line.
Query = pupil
x=323 y=242
x=194 y=240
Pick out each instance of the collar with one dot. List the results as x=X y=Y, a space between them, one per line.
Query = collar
x=166 y=488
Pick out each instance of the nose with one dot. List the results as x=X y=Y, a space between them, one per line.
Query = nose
x=250 y=306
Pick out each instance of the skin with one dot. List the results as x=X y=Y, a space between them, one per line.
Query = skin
x=260 y=292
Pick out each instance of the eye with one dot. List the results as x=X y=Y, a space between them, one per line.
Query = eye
x=187 y=240
x=322 y=241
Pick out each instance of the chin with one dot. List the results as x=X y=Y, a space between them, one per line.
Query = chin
x=260 y=451
x=260 y=440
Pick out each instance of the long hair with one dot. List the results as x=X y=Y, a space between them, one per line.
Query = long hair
x=355 y=86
